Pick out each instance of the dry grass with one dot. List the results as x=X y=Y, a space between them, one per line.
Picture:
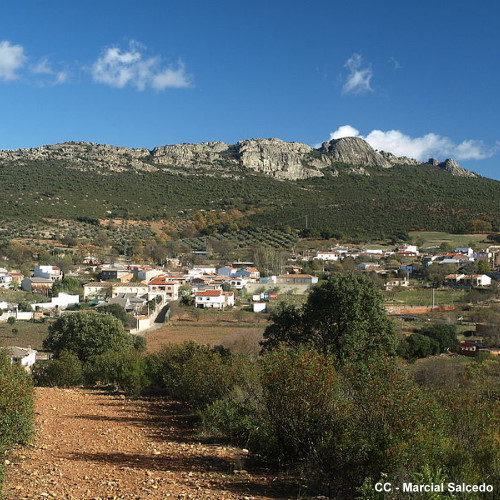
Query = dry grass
x=29 y=333
x=239 y=338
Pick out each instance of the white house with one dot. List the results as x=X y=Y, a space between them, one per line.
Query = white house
x=238 y=283
x=5 y=280
x=259 y=307
x=52 y=273
x=213 y=299
x=478 y=280
x=99 y=290
x=62 y=301
x=24 y=356
x=147 y=274
x=396 y=282
x=197 y=272
x=332 y=256
x=296 y=279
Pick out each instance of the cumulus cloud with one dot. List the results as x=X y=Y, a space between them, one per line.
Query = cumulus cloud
x=344 y=131
x=359 y=77
x=119 y=68
x=12 y=58
x=421 y=148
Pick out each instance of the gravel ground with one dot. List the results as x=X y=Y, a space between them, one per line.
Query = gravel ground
x=93 y=445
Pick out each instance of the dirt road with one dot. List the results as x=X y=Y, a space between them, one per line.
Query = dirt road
x=92 y=445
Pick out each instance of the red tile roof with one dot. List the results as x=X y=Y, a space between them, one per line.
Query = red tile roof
x=161 y=280
x=209 y=293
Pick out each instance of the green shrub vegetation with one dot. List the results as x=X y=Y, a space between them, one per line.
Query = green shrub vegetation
x=64 y=371
x=343 y=316
x=87 y=334
x=124 y=370
x=386 y=203
x=16 y=407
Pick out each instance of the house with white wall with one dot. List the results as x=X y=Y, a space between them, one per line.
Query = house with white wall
x=26 y=357
x=52 y=273
x=213 y=299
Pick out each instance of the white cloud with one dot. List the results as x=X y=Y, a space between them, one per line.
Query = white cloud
x=12 y=58
x=43 y=67
x=61 y=77
x=119 y=68
x=421 y=148
x=344 y=131
x=359 y=77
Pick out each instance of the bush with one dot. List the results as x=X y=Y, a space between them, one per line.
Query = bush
x=125 y=370
x=299 y=393
x=17 y=412
x=64 y=371
x=139 y=343
x=193 y=373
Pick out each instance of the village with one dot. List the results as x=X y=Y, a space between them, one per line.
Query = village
x=146 y=292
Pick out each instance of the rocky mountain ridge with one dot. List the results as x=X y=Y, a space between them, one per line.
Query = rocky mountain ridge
x=272 y=157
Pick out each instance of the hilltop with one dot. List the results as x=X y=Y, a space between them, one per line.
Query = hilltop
x=344 y=186
x=272 y=157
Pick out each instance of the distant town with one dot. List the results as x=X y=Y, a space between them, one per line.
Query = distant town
x=146 y=291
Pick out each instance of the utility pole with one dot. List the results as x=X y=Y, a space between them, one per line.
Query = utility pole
x=433 y=301
x=307 y=224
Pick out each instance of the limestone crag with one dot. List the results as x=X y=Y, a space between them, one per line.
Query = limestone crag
x=399 y=160
x=191 y=155
x=354 y=151
x=84 y=156
x=271 y=157
x=284 y=160
x=454 y=168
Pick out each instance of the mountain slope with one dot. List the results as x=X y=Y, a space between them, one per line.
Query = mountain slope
x=343 y=187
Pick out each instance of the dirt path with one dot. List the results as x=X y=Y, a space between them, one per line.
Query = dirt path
x=92 y=445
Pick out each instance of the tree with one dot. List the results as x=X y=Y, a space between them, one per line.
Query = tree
x=421 y=346
x=87 y=334
x=344 y=316
x=66 y=285
x=483 y=267
x=24 y=306
x=117 y=311
x=444 y=335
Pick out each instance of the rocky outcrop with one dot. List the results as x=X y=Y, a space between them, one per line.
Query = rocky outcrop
x=454 y=168
x=399 y=160
x=84 y=156
x=354 y=151
x=284 y=160
x=272 y=157
x=192 y=155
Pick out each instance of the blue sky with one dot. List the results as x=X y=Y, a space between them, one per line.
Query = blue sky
x=416 y=78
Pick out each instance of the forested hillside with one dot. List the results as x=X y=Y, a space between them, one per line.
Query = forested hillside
x=382 y=203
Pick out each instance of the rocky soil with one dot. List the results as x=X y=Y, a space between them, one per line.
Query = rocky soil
x=93 y=445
